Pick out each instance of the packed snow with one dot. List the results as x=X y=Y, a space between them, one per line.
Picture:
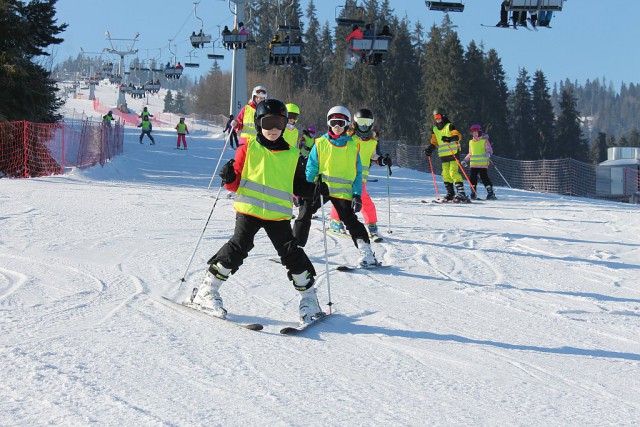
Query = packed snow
x=520 y=311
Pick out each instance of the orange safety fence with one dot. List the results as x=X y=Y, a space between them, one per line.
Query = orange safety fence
x=41 y=149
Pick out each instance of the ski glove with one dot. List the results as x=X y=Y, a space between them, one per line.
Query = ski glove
x=385 y=161
x=321 y=189
x=429 y=149
x=356 y=203
x=445 y=139
x=464 y=164
x=227 y=173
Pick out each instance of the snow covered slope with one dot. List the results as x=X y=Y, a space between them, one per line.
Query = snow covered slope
x=522 y=311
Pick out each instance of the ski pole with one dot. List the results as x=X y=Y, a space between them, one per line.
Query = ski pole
x=182 y=280
x=389 y=199
x=503 y=178
x=433 y=176
x=324 y=238
x=473 y=188
x=215 y=171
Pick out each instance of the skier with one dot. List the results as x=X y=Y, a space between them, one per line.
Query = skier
x=291 y=132
x=147 y=127
x=182 y=130
x=335 y=163
x=367 y=147
x=145 y=113
x=107 y=118
x=264 y=175
x=233 y=136
x=244 y=124
x=307 y=140
x=445 y=138
x=479 y=152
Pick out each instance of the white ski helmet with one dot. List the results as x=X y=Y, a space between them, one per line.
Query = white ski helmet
x=341 y=111
x=259 y=91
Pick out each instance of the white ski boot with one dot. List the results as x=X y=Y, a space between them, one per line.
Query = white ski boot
x=368 y=257
x=309 y=309
x=208 y=296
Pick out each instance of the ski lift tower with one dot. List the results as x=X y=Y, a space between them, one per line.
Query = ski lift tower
x=239 y=67
x=122 y=102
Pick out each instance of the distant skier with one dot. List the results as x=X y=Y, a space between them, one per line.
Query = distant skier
x=479 y=152
x=264 y=175
x=145 y=113
x=182 y=129
x=107 y=118
x=233 y=135
x=245 y=121
x=147 y=127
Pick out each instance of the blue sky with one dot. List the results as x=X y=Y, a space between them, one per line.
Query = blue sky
x=587 y=40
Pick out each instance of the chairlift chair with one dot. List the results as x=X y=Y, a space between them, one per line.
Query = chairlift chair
x=445 y=6
x=535 y=5
x=348 y=17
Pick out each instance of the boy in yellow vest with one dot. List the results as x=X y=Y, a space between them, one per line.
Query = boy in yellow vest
x=478 y=158
x=264 y=175
x=334 y=161
x=147 y=127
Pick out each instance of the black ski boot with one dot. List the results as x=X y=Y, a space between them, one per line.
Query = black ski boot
x=461 y=196
x=450 y=194
x=490 y=194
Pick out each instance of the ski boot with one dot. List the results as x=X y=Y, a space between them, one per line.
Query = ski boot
x=450 y=194
x=368 y=257
x=336 y=226
x=309 y=309
x=373 y=232
x=208 y=295
x=461 y=196
x=490 y=194
x=473 y=195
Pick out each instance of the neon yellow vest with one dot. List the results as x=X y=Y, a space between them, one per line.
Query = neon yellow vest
x=366 y=147
x=337 y=165
x=291 y=136
x=266 y=186
x=307 y=142
x=182 y=128
x=477 y=150
x=248 y=122
x=145 y=114
x=146 y=124
x=445 y=148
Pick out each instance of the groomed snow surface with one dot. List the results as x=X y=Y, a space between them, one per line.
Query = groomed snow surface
x=520 y=311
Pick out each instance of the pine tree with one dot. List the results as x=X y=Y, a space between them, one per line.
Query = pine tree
x=568 y=129
x=543 y=117
x=168 y=102
x=598 y=151
x=522 y=128
x=495 y=106
x=179 y=104
x=26 y=31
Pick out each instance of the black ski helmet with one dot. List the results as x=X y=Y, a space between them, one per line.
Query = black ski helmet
x=269 y=107
x=439 y=111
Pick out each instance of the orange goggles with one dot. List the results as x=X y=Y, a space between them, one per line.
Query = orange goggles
x=437 y=116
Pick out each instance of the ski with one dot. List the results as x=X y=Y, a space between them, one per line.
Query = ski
x=348 y=269
x=188 y=306
x=448 y=202
x=292 y=330
x=499 y=26
x=375 y=238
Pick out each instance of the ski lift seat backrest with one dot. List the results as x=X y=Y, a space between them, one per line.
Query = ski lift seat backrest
x=349 y=22
x=151 y=86
x=191 y=65
x=378 y=44
x=205 y=38
x=445 y=6
x=286 y=50
x=235 y=38
x=536 y=5
x=215 y=56
x=289 y=28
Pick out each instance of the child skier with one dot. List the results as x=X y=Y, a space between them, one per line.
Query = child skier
x=479 y=152
x=182 y=130
x=245 y=123
x=335 y=162
x=367 y=147
x=147 y=127
x=264 y=175
x=307 y=140
x=446 y=139
x=291 y=132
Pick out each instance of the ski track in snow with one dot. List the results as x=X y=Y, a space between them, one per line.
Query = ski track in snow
x=522 y=311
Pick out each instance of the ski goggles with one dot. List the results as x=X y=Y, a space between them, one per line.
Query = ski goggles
x=364 y=122
x=293 y=116
x=270 y=122
x=437 y=116
x=261 y=92
x=338 y=122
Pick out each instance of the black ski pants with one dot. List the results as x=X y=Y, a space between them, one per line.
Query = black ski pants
x=233 y=253
x=484 y=176
x=308 y=207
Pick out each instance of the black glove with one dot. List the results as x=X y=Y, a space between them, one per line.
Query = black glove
x=321 y=189
x=445 y=139
x=429 y=149
x=227 y=173
x=385 y=161
x=356 y=203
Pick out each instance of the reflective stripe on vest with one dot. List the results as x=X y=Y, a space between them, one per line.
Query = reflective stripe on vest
x=248 y=122
x=445 y=148
x=477 y=150
x=366 y=147
x=337 y=166
x=266 y=187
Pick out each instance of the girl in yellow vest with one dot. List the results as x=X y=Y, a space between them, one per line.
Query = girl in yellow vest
x=334 y=161
x=446 y=139
x=244 y=124
x=367 y=146
x=182 y=130
x=478 y=159
x=264 y=176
